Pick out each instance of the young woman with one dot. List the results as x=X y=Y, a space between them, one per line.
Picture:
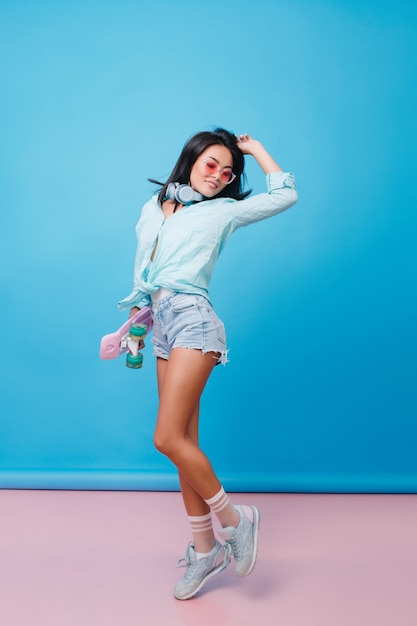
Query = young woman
x=181 y=233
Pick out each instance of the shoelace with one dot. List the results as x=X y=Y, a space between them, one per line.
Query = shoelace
x=186 y=562
x=236 y=547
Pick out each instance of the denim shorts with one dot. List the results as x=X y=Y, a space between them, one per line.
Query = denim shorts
x=187 y=321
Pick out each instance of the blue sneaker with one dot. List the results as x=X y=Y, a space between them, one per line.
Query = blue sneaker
x=243 y=540
x=200 y=570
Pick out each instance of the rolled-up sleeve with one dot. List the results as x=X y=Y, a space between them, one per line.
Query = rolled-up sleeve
x=281 y=195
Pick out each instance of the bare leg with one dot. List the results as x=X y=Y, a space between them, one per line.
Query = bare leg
x=183 y=379
x=186 y=373
x=194 y=504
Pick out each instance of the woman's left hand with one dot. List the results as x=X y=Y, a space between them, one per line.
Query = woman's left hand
x=246 y=144
x=254 y=147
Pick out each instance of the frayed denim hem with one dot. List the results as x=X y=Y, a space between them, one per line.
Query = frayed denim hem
x=221 y=360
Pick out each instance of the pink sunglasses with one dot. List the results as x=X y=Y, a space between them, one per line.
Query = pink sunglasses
x=226 y=174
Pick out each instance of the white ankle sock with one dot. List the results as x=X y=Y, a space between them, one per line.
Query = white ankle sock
x=221 y=505
x=203 y=555
x=200 y=523
x=202 y=530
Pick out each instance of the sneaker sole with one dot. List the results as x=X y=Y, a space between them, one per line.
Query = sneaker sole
x=256 y=524
x=217 y=570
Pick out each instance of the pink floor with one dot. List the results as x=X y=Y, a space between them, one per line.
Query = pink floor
x=109 y=559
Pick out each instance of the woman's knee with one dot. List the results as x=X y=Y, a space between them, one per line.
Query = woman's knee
x=159 y=442
x=166 y=443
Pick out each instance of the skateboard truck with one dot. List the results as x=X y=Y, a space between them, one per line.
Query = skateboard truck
x=131 y=342
x=128 y=339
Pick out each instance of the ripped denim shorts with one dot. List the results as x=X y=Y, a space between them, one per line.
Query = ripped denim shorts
x=187 y=321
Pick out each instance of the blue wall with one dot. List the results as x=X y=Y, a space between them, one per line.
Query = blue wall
x=319 y=303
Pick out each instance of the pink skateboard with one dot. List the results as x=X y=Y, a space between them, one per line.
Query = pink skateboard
x=128 y=339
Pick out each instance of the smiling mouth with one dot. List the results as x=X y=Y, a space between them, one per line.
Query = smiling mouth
x=211 y=184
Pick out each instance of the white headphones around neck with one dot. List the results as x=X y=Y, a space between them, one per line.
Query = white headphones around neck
x=182 y=193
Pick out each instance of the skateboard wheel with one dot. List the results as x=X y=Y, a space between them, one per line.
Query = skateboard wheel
x=137 y=331
x=135 y=362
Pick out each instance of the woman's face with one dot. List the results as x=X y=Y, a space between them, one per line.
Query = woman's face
x=212 y=171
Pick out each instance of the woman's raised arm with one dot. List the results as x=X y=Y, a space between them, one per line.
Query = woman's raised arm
x=254 y=147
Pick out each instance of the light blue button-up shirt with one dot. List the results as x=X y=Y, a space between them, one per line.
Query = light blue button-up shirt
x=190 y=240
